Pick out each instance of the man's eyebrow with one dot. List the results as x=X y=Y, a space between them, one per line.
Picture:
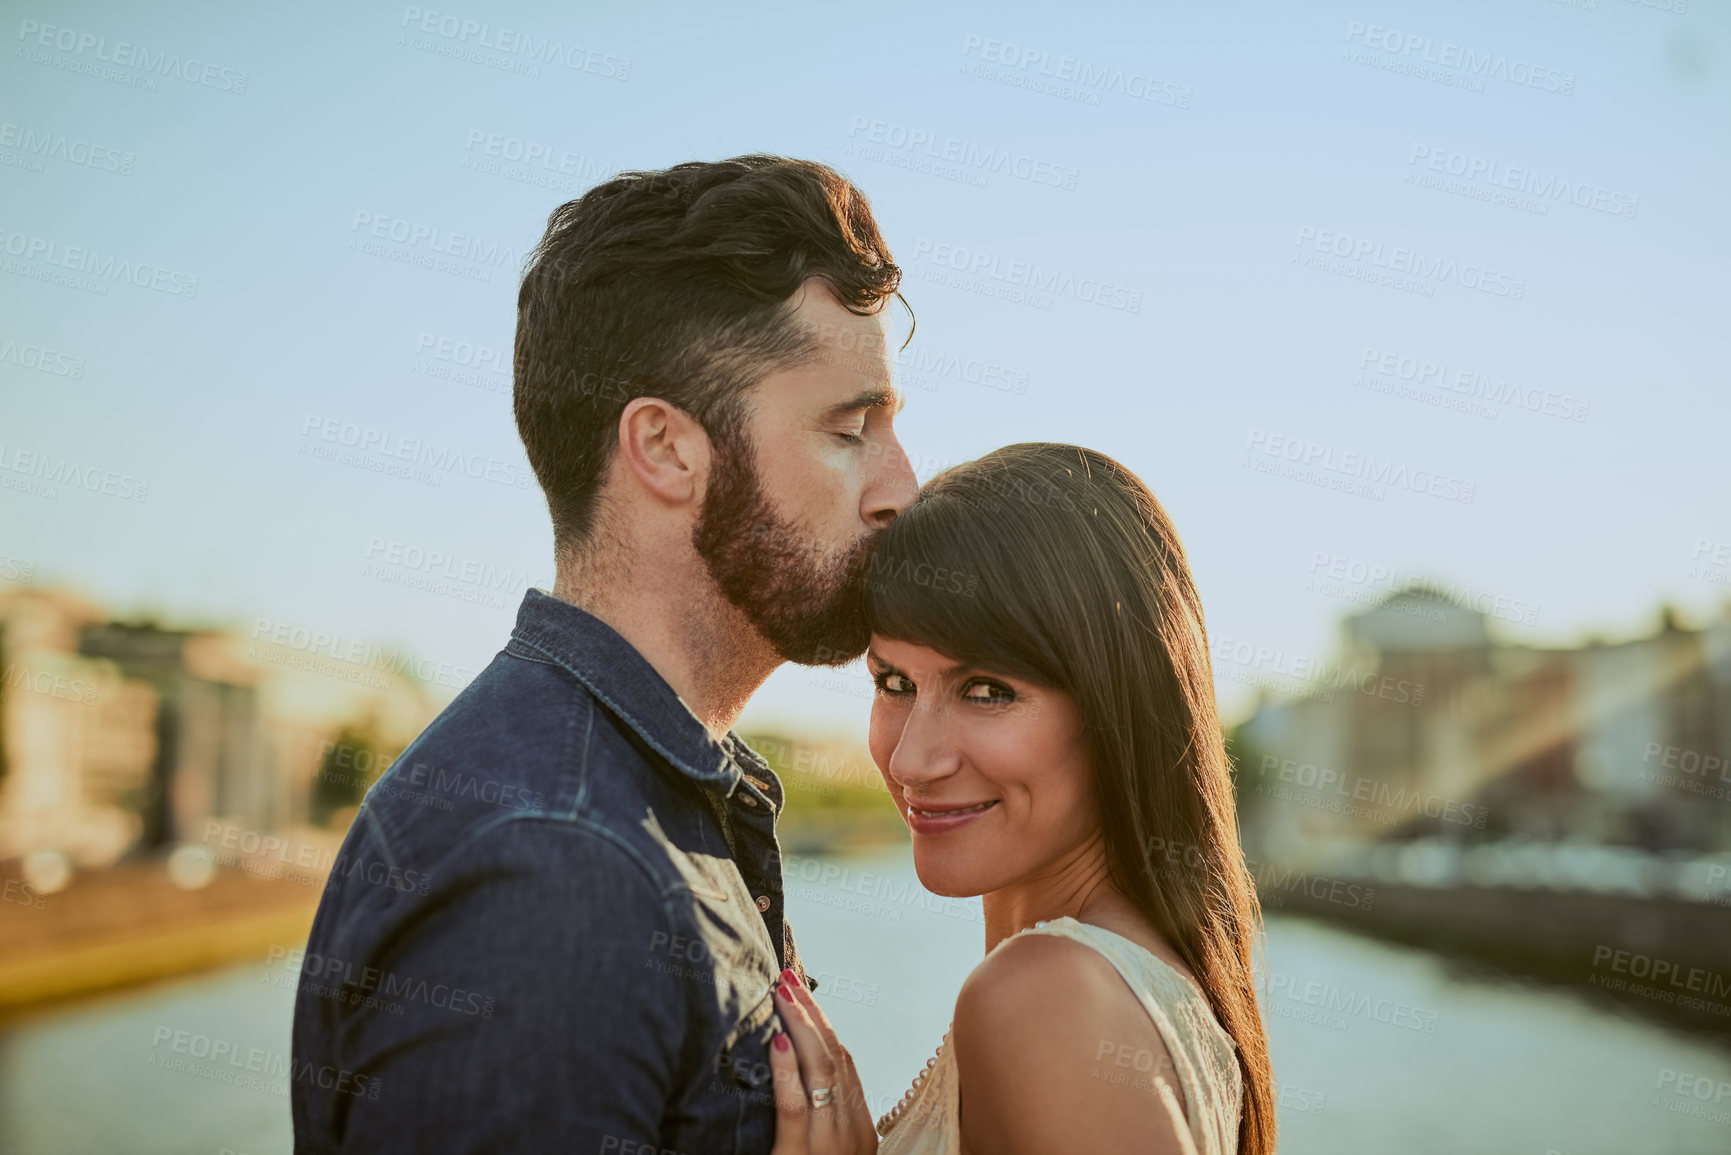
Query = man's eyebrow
x=883 y=398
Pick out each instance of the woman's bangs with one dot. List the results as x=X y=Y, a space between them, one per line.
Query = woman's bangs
x=938 y=579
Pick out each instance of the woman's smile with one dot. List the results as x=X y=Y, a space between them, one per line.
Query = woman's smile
x=943 y=819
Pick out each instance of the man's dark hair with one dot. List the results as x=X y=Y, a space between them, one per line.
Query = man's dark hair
x=675 y=284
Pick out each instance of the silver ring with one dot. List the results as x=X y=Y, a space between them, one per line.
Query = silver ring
x=820 y=1098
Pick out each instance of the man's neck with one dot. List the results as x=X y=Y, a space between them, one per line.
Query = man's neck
x=700 y=643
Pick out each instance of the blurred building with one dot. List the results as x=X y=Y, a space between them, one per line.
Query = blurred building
x=1430 y=726
x=77 y=738
x=210 y=757
x=121 y=737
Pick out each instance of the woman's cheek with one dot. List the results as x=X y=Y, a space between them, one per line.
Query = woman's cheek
x=1019 y=750
x=998 y=749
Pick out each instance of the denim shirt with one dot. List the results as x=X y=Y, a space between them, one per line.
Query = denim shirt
x=555 y=924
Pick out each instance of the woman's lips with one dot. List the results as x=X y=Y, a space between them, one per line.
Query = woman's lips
x=941 y=820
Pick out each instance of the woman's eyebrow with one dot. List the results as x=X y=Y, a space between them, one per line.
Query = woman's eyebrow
x=883 y=666
x=947 y=674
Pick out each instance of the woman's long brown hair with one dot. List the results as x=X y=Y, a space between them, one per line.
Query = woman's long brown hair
x=1057 y=564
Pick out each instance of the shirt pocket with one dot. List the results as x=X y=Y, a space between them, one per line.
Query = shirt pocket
x=744 y=1058
x=743 y=1070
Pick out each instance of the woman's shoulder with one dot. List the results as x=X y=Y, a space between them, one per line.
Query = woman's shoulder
x=1054 y=983
x=1046 y=1031
x=1030 y=960
x=1127 y=941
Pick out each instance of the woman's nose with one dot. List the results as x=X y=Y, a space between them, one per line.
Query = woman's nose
x=926 y=752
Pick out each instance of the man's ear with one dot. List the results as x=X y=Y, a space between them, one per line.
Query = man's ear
x=665 y=449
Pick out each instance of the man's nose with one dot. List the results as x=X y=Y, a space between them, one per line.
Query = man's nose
x=893 y=489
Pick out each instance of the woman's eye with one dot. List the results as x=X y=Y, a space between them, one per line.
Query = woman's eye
x=893 y=683
x=994 y=693
x=852 y=438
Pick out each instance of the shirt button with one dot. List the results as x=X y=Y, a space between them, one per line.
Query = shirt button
x=762 y=902
x=747 y=800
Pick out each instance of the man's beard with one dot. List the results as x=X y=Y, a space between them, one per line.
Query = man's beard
x=807 y=602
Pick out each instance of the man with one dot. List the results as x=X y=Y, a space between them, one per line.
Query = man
x=557 y=921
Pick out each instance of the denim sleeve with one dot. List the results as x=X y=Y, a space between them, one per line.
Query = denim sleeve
x=556 y=1033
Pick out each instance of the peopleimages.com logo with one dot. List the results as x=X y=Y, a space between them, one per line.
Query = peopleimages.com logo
x=979 y=268
x=971 y=156
x=1265 y=450
x=40 y=358
x=86 y=52
x=1375 y=258
x=36 y=145
x=314 y=644
x=1541 y=188
x=92 y=268
x=353 y=443
x=1426 y=58
x=49 y=472
x=1470 y=383
x=516 y=50
x=1062 y=75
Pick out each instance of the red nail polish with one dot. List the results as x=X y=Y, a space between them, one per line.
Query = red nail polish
x=781 y=1042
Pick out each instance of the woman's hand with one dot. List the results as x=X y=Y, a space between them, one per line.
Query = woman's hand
x=807 y=1058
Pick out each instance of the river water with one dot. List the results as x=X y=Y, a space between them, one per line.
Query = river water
x=1376 y=1048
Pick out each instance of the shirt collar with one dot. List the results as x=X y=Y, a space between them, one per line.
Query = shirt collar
x=634 y=691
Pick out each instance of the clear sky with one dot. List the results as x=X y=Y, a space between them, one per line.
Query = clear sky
x=1474 y=249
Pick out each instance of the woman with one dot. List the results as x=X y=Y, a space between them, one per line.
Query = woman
x=1045 y=721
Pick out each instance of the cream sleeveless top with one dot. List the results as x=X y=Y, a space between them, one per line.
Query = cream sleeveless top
x=1203 y=1057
